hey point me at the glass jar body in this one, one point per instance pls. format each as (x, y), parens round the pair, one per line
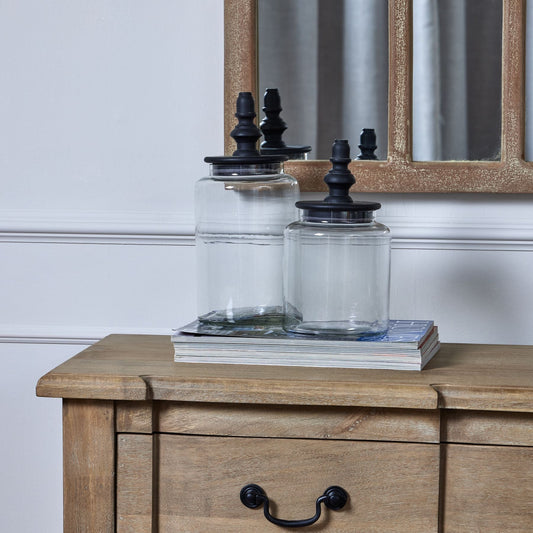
(240, 218)
(336, 278)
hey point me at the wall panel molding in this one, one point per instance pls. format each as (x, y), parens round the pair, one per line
(452, 233)
(171, 229)
(79, 335)
(73, 227)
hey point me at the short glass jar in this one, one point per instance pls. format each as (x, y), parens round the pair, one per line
(337, 275)
(337, 262)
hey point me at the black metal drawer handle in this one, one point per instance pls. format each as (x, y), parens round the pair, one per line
(253, 496)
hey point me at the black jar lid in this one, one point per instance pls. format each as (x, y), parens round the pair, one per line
(273, 127)
(339, 206)
(246, 134)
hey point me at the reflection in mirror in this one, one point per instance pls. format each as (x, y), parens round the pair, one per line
(329, 60)
(457, 60)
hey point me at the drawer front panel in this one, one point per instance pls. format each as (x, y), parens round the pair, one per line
(488, 427)
(392, 486)
(309, 422)
(488, 488)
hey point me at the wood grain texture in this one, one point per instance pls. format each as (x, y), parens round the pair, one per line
(487, 427)
(512, 177)
(399, 173)
(276, 391)
(88, 466)
(400, 82)
(240, 60)
(392, 487)
(488, 488)
(466, 376)
(401, 425)
(513, 81)
(135, 484)
(295, 431)
(134, 417)
(484, 398)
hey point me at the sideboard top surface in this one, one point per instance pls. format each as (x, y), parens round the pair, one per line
(142, 367)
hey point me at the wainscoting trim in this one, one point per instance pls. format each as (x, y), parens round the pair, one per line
(171, 229)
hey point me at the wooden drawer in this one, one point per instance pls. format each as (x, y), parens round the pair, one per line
(392, 486)
(152, 445)
(488, 488)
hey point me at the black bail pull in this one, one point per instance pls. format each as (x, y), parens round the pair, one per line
(253, 496)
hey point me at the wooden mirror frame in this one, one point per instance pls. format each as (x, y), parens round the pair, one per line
(399, 173)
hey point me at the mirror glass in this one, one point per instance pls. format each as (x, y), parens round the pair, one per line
(329, 60)
(457, 57)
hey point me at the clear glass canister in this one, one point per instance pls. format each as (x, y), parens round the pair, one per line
(241, 212)
(337, 262)
(337, 276)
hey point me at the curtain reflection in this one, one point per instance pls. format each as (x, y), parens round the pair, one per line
(329, 58)
(457, 79)
(331, 71)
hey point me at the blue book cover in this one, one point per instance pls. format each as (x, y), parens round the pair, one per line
(411, 331)
(406, 332)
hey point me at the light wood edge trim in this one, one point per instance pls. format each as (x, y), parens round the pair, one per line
(423, 177)
(240, 59)
(298, 393)
(484, 398)
(88, 466)
(53, 385)
(487, 427)
(294, 421)
(136, 488)
(134, 416)
(513, 81)
(400, 81)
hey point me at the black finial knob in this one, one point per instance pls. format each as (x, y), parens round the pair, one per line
(339, 179)
(368, 144)
(339, 206)
(272, 125)
(246, 133)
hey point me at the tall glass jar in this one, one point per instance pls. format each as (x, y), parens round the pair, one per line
(337, 262)
(241, 209)
(241, 212)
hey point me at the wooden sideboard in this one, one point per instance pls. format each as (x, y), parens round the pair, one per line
(154, 445)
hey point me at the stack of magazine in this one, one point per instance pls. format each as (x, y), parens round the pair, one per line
(407, 345)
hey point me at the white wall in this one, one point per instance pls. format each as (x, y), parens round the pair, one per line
(107, 109)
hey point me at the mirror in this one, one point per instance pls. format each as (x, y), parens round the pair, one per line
(329, 60)
(457, 56)
(503, 170)
(330, 66)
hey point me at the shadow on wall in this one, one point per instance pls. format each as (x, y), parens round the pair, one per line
(486, 298)
(473, 295)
